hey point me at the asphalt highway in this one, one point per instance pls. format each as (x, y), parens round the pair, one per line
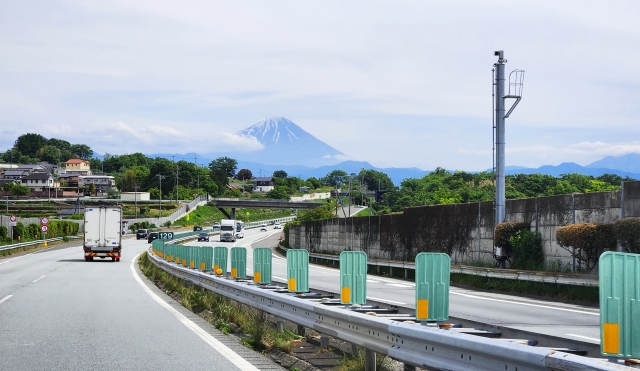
(58, 312)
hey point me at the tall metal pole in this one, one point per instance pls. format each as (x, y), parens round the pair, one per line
(135, 198)
(160, 177)
(500, 137)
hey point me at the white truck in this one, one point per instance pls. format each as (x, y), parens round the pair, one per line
(102, 233)
(228, 230)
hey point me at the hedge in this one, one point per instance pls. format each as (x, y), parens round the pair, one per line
(628, 234)
(587, 241)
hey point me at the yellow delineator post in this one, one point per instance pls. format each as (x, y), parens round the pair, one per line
(619, 304)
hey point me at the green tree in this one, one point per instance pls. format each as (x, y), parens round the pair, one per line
(28, 144)
(375, 180)
(313, 183)
(224, 165)
(19, 190)
(319, 213)
(82, 151)
(278, 193)
(59, 143)
(336, 178)
(92, 189)
(244, 174)
(154, 193)
(281, 174)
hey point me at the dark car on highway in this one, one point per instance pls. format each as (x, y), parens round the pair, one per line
(142, 233)
(203, 237)
(197, 228)
(152, 236)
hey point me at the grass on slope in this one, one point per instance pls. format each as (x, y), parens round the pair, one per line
(206, 215)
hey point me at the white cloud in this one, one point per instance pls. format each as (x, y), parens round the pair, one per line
(394, 84)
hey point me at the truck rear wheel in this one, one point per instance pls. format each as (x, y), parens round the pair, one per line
(117, 259)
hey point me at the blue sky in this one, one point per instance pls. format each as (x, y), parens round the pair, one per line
(398, 84)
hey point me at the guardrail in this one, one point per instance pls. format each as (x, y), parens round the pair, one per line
(36, 242)
(509, 274)
(413, 344)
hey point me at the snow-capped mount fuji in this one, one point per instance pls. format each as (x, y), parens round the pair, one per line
(286, 143)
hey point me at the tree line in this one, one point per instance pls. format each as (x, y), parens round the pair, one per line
(185, 179)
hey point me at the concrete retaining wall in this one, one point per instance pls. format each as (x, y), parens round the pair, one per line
(465, 231)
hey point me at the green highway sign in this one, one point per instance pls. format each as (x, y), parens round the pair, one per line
(166, 236)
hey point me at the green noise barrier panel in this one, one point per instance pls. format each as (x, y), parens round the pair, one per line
(262, 265)
(619, 304)
(432, 286)
(220, 254)
(353, 277)
(298, 270)
(238, 262)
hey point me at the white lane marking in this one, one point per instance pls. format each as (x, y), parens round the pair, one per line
(233, 357)
(386, 301)
(5, 298)
(280, 278)
(38, 279)
(372, 281)
(584, 337)
(527, 304)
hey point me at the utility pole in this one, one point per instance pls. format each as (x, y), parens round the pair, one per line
(195, 160)
(177, 184)
(135, 198)
(160, 177)
(516, 78)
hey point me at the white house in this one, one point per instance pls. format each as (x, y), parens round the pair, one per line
(38, 181)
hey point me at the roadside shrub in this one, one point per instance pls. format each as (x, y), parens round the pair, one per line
(167, 223)
(18, 230)
(504, 232)
(4, 232)
(627, 233)
(527, 250)
(586, 242)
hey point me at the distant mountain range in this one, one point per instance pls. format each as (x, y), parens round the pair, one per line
(290, 148)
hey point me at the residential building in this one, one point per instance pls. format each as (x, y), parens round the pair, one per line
(15, 174)
(264, 185)
(38, 181)
(78, 166)
(71, 180)
(102, 182)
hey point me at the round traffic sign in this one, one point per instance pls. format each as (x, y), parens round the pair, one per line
(44, 229)
(44, 220)
(13, 218)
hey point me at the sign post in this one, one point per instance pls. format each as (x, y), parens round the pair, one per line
(165, 236)
(13, 220)
(44, 221)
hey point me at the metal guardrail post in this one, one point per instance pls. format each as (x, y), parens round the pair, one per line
(369, 360)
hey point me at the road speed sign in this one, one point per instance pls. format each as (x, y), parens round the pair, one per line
(13, 218)
(44, 220)
(44, 229)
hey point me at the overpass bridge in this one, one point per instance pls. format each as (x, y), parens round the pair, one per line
(234, 203)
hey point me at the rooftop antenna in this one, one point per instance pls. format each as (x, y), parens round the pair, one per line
(516, 78)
